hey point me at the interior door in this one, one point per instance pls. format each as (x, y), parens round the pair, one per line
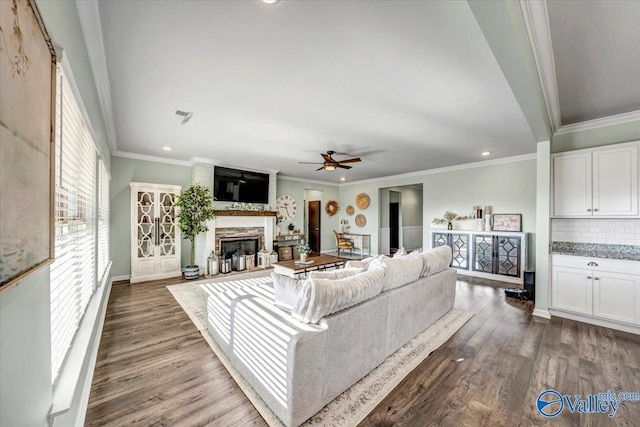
(394, 225)
(313, 207)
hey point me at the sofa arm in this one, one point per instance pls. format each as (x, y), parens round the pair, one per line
(282, 359)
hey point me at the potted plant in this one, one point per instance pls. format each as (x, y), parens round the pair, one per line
(195, 207)
(303, 250)
(291, 227)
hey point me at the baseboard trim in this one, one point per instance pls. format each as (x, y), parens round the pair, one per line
(120, 278)
(541, 313)
(598, 322)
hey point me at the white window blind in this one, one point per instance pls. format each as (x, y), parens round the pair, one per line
(103, 222)
(73, 274)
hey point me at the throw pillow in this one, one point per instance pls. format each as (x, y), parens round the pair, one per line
(286, 290)
(399, 271)
(321, 297)
(335, 274)
(435, 260)
(400, 253)
(363, 263)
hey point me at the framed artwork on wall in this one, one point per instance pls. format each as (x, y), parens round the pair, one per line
(507, 222)
(27, 122)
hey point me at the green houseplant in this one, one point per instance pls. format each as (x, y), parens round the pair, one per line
(304, 250)
(195, 207)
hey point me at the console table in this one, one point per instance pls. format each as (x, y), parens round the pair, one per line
(360, 241)
(497, 255)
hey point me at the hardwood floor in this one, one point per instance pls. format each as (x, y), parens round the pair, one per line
(154, 368)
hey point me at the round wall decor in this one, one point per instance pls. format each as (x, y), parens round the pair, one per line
(350, 210)
(361, 220)
(362, 200)
(331, 207)
(286, 207)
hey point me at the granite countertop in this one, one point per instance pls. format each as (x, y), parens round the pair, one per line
(597, 250)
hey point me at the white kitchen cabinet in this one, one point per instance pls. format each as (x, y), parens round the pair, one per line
(155, 234)
(572, 290)
(616, 296)
(599, 290)
(599, 182)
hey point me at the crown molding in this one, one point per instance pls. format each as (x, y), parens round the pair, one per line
(618, 119)
(148, 158)
(536, 18)
(207, 161)
(310, 181)
(504, 160)
(89, 15)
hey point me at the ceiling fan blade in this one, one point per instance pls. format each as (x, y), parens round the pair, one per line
(326, 157)
(320, 169)
(343, 166)
(355, 159)
(311, 163)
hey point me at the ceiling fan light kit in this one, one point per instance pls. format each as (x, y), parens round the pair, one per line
(330, 164)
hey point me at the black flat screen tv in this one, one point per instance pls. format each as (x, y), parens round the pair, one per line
(234, 185)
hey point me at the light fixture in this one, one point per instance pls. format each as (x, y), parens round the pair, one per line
(343, 178)
(166, 148)
(330, 168)
(485, 153)
(269, 1)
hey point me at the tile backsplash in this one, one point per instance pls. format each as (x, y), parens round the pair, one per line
(609, 231)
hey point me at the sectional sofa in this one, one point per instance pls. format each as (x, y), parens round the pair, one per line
(302, 343)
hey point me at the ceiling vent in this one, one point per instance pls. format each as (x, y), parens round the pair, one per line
(183, 116)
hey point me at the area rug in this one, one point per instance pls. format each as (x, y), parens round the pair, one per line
(352, 406)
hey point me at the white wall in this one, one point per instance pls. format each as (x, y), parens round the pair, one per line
(508, 187)
(123, 172)
(25, 353)
(297, 188)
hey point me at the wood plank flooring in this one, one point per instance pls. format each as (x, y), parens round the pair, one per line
(154, 368)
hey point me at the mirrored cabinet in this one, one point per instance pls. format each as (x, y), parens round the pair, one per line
(155, 234)
(490, 254)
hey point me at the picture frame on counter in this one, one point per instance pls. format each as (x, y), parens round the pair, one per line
(507, 222)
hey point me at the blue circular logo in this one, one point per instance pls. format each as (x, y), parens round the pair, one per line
(550, 403)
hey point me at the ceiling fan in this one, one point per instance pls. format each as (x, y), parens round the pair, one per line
(330, 164)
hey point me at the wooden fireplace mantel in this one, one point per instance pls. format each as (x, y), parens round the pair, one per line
(230, 212)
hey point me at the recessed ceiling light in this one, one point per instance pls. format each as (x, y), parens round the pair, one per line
(269, 1)
(486, 153)
(166, 148)
(343, 178)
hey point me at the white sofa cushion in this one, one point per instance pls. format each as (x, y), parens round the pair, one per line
(435, 260)
(340, 273)
(399, 271)
(363, 263)
(286, 290)
(321, 297)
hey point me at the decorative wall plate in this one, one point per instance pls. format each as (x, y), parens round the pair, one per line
(361, 220)
(362, 200)
(350, 210)
(331, 207)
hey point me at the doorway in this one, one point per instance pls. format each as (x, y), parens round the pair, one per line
(394, 226)
(313, 225)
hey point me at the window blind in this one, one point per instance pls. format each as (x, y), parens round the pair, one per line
(103, 222)
(73, 274)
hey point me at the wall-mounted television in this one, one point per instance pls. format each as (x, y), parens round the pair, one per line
(234, 185)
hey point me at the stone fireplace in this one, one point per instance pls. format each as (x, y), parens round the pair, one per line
(236, 226)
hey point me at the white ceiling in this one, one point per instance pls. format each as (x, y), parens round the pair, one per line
(405, 85)
(596, 46)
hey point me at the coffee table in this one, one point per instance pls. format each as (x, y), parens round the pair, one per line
(321, 262)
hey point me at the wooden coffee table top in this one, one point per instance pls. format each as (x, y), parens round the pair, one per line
(290, 268)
